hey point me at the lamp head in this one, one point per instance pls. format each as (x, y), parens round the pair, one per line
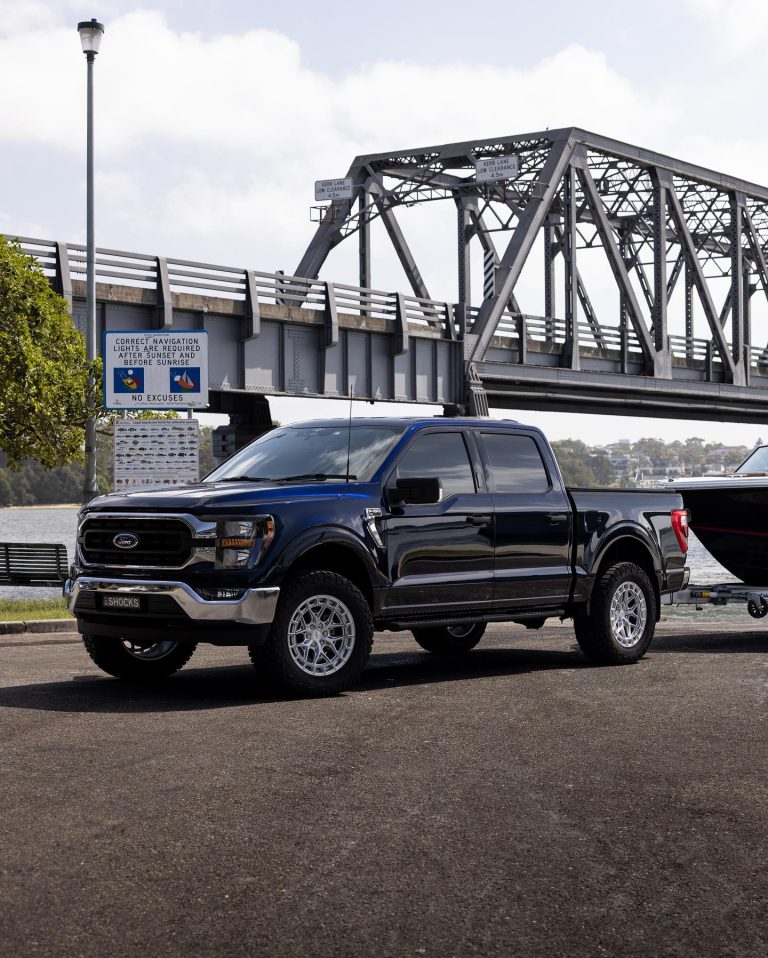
(90, 32)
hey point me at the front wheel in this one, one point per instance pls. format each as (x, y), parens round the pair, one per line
(137, 661)
(450, 639)
(321, 637)
(620, 626)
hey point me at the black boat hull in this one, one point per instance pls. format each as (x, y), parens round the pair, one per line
(732, 525)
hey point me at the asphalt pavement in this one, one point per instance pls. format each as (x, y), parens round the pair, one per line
(517, 803)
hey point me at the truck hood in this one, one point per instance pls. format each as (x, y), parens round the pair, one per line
(205, 497)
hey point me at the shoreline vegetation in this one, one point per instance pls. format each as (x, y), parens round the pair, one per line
(24, 610)
(32, 485)
(618, 465)
(46, 505)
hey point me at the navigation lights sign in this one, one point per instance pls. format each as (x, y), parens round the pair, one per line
(152, 370)
(341, 189)
(490, 168)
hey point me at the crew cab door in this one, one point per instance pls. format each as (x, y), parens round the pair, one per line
(439, 555)
(533, 521)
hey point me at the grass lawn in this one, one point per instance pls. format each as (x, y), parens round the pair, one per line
(24, 610)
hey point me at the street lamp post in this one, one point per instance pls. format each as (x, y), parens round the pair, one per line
(90, 37)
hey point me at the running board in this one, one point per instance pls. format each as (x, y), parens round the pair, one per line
(508, 615)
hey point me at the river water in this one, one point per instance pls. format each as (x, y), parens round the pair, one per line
(59, 524)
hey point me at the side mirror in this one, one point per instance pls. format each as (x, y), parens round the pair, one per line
(417, 490)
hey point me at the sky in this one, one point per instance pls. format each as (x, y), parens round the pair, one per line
(214, 120)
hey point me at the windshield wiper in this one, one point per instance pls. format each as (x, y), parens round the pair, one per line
(315, 475)
(246, 479)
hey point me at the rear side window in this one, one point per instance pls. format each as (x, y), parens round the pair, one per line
(441, 455)
(516, 463)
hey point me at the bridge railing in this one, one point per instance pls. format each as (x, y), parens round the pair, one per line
(553, 330)
(63, 261)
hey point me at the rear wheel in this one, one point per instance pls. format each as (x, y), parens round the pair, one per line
(622, 620)
(137, 661)
(321, 637)
(450, 639)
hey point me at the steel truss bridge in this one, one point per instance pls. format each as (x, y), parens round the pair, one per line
(651, 273)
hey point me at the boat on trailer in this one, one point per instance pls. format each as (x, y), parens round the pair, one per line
(729, 515)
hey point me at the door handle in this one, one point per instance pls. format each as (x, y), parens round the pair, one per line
(557, 518)
(478, 520)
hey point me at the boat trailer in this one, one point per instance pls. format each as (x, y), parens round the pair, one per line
(756, 597)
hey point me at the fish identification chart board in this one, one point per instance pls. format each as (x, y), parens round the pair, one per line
(156, 452)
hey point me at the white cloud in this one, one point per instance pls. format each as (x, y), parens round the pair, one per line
(738, 26)
(207, 146)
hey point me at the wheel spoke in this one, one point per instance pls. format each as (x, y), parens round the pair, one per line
(157, 650)
(628, 614)
(321, 635)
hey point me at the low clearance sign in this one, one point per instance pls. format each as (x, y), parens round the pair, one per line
(155, 370)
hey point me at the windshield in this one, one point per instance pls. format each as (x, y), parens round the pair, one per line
(311, 453)
(756, 462)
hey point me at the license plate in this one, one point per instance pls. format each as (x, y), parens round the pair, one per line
(125, 603)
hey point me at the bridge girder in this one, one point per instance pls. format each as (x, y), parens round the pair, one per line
(656, 218)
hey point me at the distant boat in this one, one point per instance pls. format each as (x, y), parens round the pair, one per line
(729, 515)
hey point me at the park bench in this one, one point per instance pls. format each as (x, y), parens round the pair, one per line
(33, 563)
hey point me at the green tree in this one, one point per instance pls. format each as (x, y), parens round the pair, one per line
(573, 457)
(44, 396)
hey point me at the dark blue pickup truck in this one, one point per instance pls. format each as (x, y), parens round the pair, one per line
(304, 542)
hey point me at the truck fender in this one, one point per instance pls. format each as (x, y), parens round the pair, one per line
(632, 534)
(327, 536)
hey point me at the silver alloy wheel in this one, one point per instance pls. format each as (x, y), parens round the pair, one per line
(321, 635)
(629, 614)
(145, 653)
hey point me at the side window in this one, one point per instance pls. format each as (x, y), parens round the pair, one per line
(442, 455)
(516, 463)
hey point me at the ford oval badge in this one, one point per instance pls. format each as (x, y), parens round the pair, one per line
(126, 540)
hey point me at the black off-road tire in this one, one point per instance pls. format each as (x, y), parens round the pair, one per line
(618, 634)
(338, 601)
(450, 640)
(115, 657)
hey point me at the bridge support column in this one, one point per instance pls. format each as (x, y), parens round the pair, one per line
(249, 415)
(476, 396)
(662, 360)
(464, 231)
(571, 357)
(738, 330)
(550, 249)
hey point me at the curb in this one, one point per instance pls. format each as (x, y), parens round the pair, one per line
(38, 625)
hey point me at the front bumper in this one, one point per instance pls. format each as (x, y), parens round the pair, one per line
(256, 607)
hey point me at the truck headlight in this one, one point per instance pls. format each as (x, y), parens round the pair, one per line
(240, 543)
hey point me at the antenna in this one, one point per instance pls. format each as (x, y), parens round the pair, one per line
(349, 433)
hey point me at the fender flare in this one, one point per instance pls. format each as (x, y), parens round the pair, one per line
(327, 536)
(637, 535)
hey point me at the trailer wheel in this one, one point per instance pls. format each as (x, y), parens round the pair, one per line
(620, 625)
(758, 609)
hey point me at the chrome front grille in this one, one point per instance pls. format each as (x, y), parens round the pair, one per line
(163, 542)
